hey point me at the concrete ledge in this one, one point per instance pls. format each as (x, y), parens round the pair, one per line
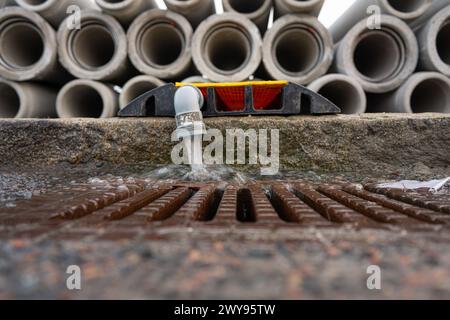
(366, 143)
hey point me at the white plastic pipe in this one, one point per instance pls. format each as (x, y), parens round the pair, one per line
(188, 102)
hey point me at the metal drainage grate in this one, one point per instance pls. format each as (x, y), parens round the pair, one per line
(127, 208)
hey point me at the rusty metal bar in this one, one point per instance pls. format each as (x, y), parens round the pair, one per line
(366, 207)
(291, 209)
(127, 207)
(405, 208)
(428, 201)
(164, 207)
(328, 208)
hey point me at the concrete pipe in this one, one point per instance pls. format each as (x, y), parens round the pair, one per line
(194, 10)
(408, 11)
(159, 44)
(297, 48)
(344, 91)
(28, 47)
(381, 59)
(26, 100)
(195, 79)
(136, 87)
(422, 92)
(86, 99)
(436, 6)
(55, 11)
(227, 47)
(97, 51)
(256, 10)
(7, 3)
(309, 7)
(434, 43)
(125, 10)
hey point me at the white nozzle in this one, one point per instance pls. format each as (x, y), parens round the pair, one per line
(188, 102)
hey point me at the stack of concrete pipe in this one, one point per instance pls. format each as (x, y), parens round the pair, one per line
(88, 58)
(401, 57)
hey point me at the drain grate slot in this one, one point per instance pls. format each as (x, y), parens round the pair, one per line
(245, 209)
(213, 207)
(265, 212)
(291, 209)
(200, 206)
(284, 204)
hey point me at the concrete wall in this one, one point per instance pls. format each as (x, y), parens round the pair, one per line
(376, 144)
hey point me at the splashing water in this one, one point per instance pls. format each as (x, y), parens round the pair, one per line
(208, 173)
(193, 146)
(199, 171)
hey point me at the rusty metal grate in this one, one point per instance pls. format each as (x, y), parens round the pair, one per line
(123, 210)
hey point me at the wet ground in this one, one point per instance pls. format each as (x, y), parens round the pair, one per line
(23, 183)
(322, 265)
(195, 261)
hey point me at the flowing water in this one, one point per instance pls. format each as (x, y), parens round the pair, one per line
(193, 146)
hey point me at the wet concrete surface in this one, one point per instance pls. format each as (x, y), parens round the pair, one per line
(18, 183)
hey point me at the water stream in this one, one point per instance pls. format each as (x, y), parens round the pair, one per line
(193, 146)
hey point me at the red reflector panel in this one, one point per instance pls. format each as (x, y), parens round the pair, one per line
(230, 98)
(267, 97)
(204, 92)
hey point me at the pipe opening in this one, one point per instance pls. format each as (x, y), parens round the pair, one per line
(21, 44)
(344, 95)
(407, 6)
(137, 89)
(81, 101)
(93, 46)
(443, 42)
(245, 210)
(297, 51)
(378, 56)
(161, 44)
(227, 50)
(247, 6)
(423, 101)
(9, 101)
